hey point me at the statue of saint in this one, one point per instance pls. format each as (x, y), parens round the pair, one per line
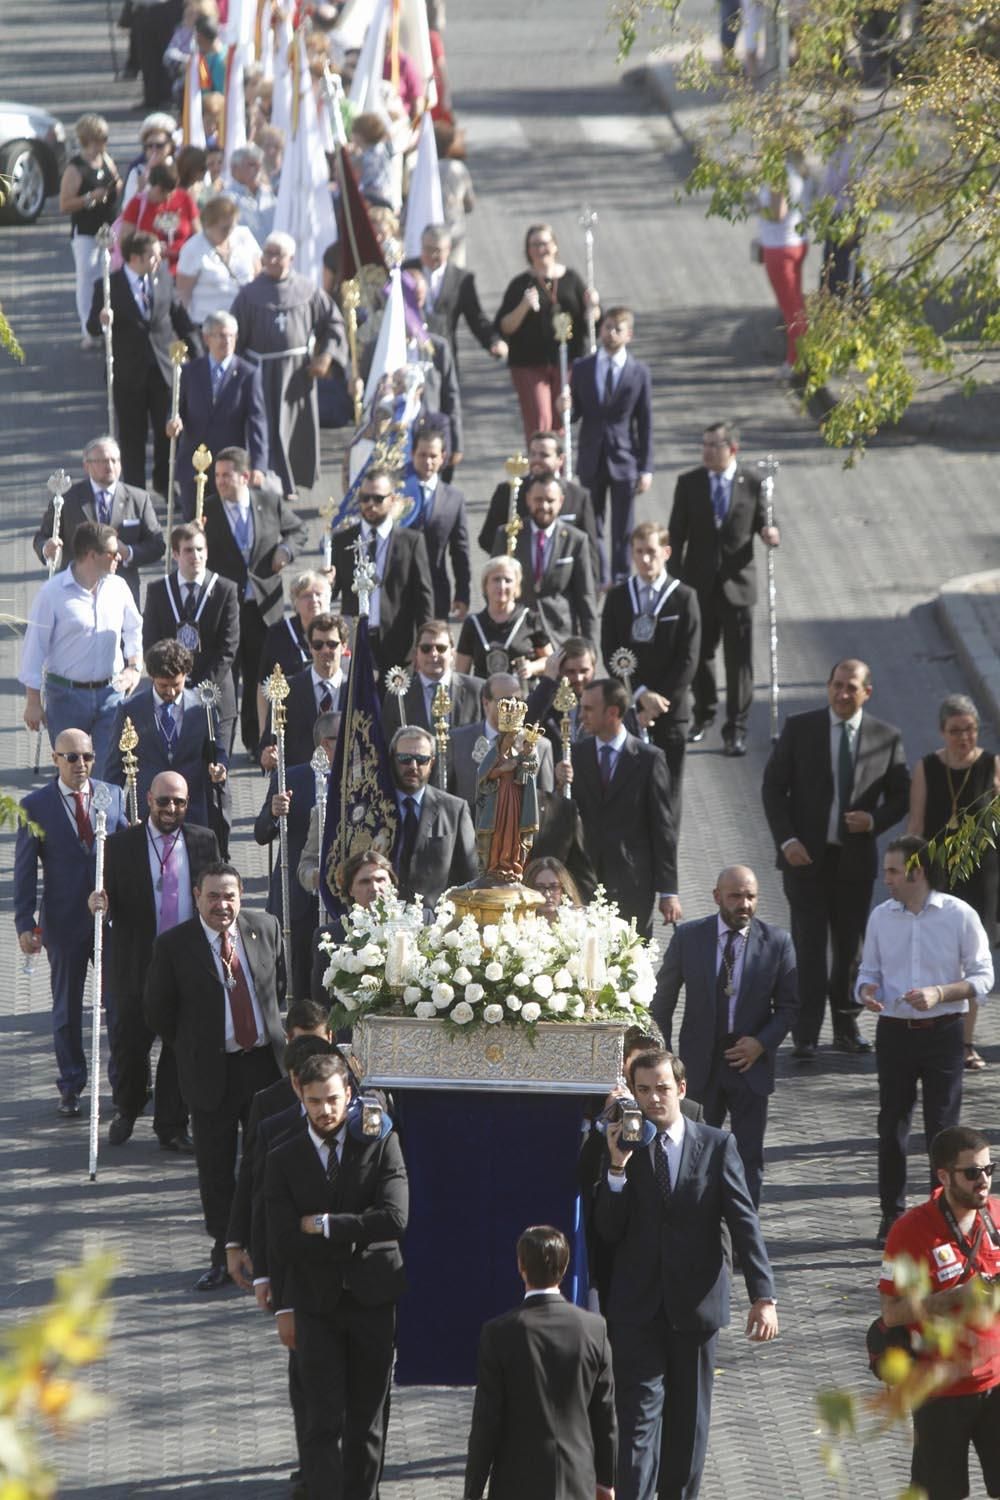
(507, 798)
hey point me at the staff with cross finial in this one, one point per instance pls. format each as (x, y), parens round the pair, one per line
(105, 240)
(562, 323)
(276, 691)
(515, 468)
(201, 461)
(178, 358)
(564, 703)
(100, 804)
(127, 743)
(587, 220)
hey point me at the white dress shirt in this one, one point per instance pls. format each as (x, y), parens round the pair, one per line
(323, 1149)
(943, 943)
(79, 633)
(214, 942)
(605, 362)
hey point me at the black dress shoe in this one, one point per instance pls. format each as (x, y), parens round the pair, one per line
(804, 1052)
(213, 1280)
(736, 744)
(179, 1141)
(849, 1039)
(120, 1129)
(69, 1106)
(697, 731)
(885, 1224)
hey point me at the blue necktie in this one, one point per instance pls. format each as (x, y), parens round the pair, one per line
(217, 373)
(167, 726)
(242, 532)
(718, 499)
(104, 507)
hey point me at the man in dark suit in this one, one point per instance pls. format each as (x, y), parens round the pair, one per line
(622, 790)
(251, 535)
(662, 1207)
(435, 841)
(171, 724)
(214, 991)
(546, 455)
(337, 1210)
(612, 400)
(718, 509)
(451, 295)
(60, 921)
(543, 1424)
(149, 874)
(836, 779)
(200, 609)
(444, 526)
(577, 662)
(221, 405)
(557, 578)
(434, 660)
(741, 1000)
(403, 597)
(656, 618)
(146, 316)
(102, 497)
(469, 744)
(319, 689)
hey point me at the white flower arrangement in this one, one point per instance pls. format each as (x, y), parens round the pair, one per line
(588, 965)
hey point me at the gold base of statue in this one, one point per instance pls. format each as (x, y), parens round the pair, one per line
(488, 903)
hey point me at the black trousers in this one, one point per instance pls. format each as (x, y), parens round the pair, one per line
(671, 737)
(933, 1056)
(728, 1093)
(733, 625)
(247, 667)
(663, 1396)
(131, 1042)
(943, 1431)
(142, 402)
(152, 28)
(613, 539)
(345, 1366)
(216, 1135)
(826, 911)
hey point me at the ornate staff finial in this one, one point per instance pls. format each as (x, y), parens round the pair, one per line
(623, 663)
(515, 468)
(58, 484)
(364, 582)
(127, 743)
(562, 325)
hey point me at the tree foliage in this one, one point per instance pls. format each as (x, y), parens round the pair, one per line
(922, 84)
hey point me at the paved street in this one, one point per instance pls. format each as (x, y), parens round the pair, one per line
(196, 1389)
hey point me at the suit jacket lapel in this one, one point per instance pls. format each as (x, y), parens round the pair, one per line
(691, 1148)
(751, 959)
(711, 950)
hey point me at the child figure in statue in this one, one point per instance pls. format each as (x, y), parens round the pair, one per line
(506, 797)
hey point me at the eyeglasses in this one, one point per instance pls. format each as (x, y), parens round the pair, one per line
(372, 495)
(442, 648)
(325, 645)
(72, 756)
(413, 760)
(973, 1174)
(157, 145)
(171, 801)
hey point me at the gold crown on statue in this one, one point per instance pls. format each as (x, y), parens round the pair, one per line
(511, 714)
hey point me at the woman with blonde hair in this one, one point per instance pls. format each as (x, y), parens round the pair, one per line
(216, 262)
(505, 636)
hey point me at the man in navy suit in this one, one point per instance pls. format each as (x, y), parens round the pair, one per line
(221, 405)
(170, 721)
(612, 400)
(662, 1207)
(62, 923)
(443, 523)
(319, 689)
(741, 999)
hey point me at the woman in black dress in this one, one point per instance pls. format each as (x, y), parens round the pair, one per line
(958, 779)
(505, 636)
(525, 320)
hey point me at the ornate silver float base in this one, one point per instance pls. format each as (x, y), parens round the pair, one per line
(563, 1057)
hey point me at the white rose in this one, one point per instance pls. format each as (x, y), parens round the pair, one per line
(442, 995)
(492, 1014)
(369, 982)
(624, 999)
(462, 976)
(493, 971)
(474, 993)
(574, 965)
(513, 1003)
(557, 1003)
(330, 975)
(453, 940)
(490, 936)
(576, 1009)
(425, 1011)
(462, 1014)
(531, 1011)
(370, 954)
(542, 985)
(347, 1001)
(521, 980)
(440, 966)
(614, 974)
(412, 994)
(563, 980)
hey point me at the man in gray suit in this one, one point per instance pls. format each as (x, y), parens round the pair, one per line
(434, 663)
(741, 997)
(470, 743)
(435, 843)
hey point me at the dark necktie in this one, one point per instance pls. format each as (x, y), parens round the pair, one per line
(609, 383)
(373, 548)
(661, 1169)
(332, 1165)
(103, 508)
(84, 827)
(718, 499)
(607, 766)
(240, 1004)
(845, 770)
(217, 374)
(190, 595)
(325, 700)
(168, 728)
(143, 289)
(723, 981)
(539, 555)
(409, 839)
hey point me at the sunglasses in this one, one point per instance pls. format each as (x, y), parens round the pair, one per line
(74, 755)
(171, 801)
(157, 145)
(414, 760)
(325, 645)
(428, 647)
(973, 1174)
(371, 495)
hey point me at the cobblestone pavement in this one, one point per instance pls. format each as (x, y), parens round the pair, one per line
(195, 1388)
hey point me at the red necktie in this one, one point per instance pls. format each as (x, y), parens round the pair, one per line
(244, 1025)
(539, 555)
(84, 827)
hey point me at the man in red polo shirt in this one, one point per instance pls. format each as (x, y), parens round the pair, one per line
(954, 1235)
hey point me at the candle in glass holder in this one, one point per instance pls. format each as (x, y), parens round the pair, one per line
(593, 962)
(396, 958)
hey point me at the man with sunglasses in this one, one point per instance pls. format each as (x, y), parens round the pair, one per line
(318, 689)
(434, 661)
(435, 844)
(63, 843)
(926, 955)
(149, 872)
(953, 1237)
